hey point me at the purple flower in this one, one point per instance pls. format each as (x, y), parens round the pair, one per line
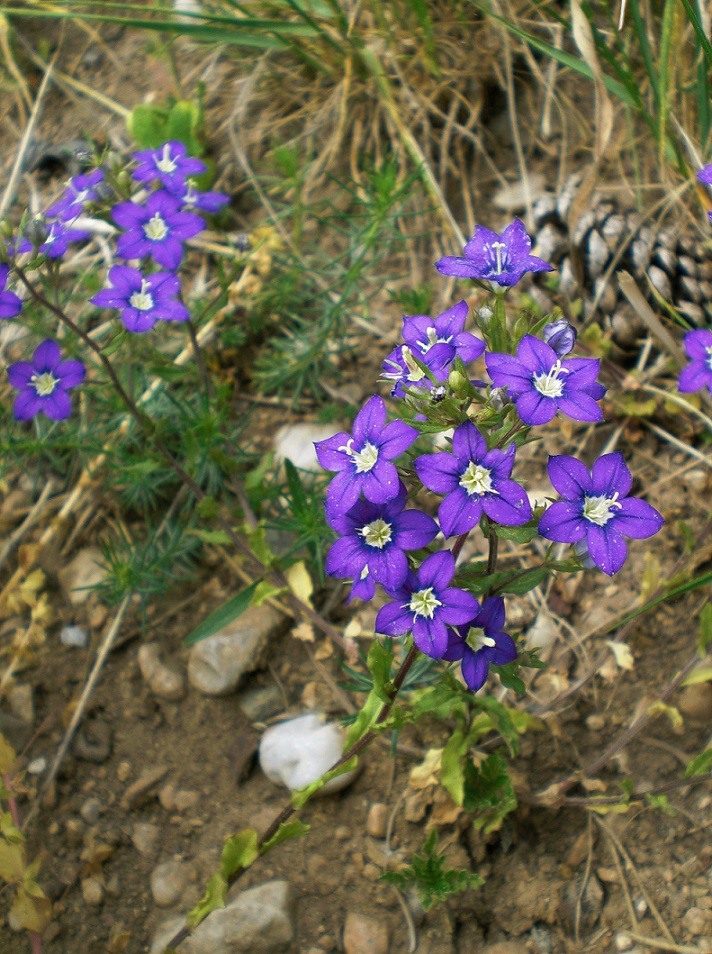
(561, 336)
(374, 539)
(363, 459)
(10, 304)
(705, 175)
(400, 368)
(426, 605)
(475, 480)
(158, 229)
(480, 643)
(79, 192)
(43, 383)
(192, 198)
(596, 506)
(502, 259)
(168, 163)
(421, 333)
(55, 242)
(142, 299)
(698, 374)
(542, 384)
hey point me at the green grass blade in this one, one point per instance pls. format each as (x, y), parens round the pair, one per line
(222, 617)
(699, 30)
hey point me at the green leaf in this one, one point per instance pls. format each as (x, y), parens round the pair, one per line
(523, 534)
(266, 591)
(147, 126)
(452, 766)
(239, 851)
(184, 124)
(489, 794)
(365, 719)
(661, 802)
(501, 720)
(379, 664)
(218, 537)
(214, 898)
(12, 862)
(289, 829)
(30, 909)
(259, 546)
(705, 629)
(442, 701)
(300, 504)
(302, 795)
(223, 617)
(700, 765)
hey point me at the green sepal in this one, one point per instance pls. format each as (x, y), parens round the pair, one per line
(289, 829)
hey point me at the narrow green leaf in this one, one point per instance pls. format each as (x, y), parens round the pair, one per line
(379, 665)
(290, 829)
(700, 765)
(302, 795)
(300, 504)
(266, 591)
(452, 766)
(705, 629)
(223, 617)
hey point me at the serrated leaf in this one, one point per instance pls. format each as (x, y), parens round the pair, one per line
(489, 794)
(501, 720)
(214, 898)
(700, 765)
(30, 911)
(239, 851)
(290, 829)
(452, 766)
(441, 702)
(379, 664)
(222, 617)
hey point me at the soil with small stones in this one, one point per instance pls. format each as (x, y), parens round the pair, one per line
(558, 878)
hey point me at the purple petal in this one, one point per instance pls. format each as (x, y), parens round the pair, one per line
(168, 253)
(570, 477)
(171, 311)
(328, 453)
(505, 651)
(637, 519)
(415, 530)
(580, 406)
(460, 267)
(389, 567)
(535, 409)
(459, 606)
(438, 472)
(132, 245)
(138, 321)
(452, 321)
(342, 493)
(459, 513)
(27, 405)
(607, 548)
(695, 377)
(57, 405)
(395, 439)
(437, 570)
(185, 225)
(475, 668)
(536, 355)
(370, 420)
(70, 373)
(363, 589)
(20, 373)
(10, 305)
(47, 356)
(430, 636)
(507, 372)
(380, 484)
(697, 343)
(610, 475)
(510, 506)
(468, 444)
(129, 215)
(563, 523)
(345, 558)
(394, 619)
(468, 346)
(491, 616)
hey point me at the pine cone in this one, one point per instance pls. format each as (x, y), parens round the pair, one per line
(678, 267)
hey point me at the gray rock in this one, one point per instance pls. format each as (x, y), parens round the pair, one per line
(17, 732)
(513, 196)
(218, 663)
(296, 443)
(75, 636)
(261, 702)
(167, 882)
(258, 921)
(364, 935)
(145, 838)
(91, 810)
(92, 892)
(83, 572)
(163, 681)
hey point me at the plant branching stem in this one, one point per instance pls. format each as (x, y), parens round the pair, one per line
(149, 428)
(350, 753)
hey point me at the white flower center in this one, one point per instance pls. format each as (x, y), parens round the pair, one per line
(432, 340)
(190, 197)
(550, 385)
(414, 372)
(365, 459)
(423, 603)
(377, 533)
(709, 357)
(477, 480)
(155, 229)
(598, 509)
(166, 163)
(142, 300)
(477, 640)
(44, 383)
(498, 246)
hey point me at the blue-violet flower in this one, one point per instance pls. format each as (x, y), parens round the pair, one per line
(403, 372)
(481, 642)
(157, 229)
(426, 605)
(374, 539)
(561, 336)
(698, 373)
(10, 303)
(79, 192)
(363, 459)
(421, 333)
(475, 480)
(596, 506)
(541, 383)
(142, 299)
(192, 198)
(169, 164)
(43, 383)
(501, 259)
(56, 241)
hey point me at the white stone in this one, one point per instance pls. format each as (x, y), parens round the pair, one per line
(295, 442)
(167, 882)
(163, 681)
(513, 196)
(84, 572)
(542, 634)
(37, 766)
(74, 636)
(297, 752)
(218, 663)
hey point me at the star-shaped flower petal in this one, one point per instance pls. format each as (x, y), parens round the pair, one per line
(169, 164)
(10, 303)
(373, 543)
(502, 259)
(43, 383)
(421, 333)
(363, 459)
(698, 374)
(541, 383)
(80, 191)
(404, 373)
(596, 506)
(481, 642)
(426, 605)
(157, 229)
(142, 299)
(474, 481)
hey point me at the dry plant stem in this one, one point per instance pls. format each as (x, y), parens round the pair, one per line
(575, 800)
(351, 753)
(199, 359)
(147, 426)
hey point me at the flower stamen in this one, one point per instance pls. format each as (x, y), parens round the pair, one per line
(424, 603)
(365, 459)
(498, 246)
(598, 510)
(476, 639)
(377, 533)
(550, 385)
(477, 480)
(166, 163)
(44, 384)
(142, 300)
(155, 229)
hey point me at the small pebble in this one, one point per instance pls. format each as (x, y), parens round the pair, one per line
(595, 723)
(184, 800)
(163, 681)
(74, 636)
(37, 766)
(167, 882)
(21, 704)
(92, 892)
(377, 820)
(142, 789)
(364, 935)
(90, 811)
(145, 838)
(298, 751)
(623, 942)
(75, 831)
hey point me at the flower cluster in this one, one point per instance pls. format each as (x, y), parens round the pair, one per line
(382, 541)
(154, 225)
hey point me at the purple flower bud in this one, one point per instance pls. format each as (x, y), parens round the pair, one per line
(561, 336)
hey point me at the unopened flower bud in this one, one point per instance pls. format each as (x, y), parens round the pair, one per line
(496, 401)
(484, 316)
(457, 380)
(36, 231)
(561, 336)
